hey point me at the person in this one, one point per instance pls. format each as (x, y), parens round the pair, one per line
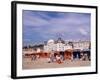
(49, 60)
(81, 56)
(52, 56)
(33, 57)
(38, 56)
(62, 55)
(58, 59)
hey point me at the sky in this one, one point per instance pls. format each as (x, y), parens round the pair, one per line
(40, 26)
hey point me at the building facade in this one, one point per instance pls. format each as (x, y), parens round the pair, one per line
(61, 45)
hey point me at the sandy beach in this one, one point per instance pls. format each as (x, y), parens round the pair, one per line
(42, 63)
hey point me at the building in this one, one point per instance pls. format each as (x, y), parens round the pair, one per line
(81, 45)
(61, 45)
(57, 45)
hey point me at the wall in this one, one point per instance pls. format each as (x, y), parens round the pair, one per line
(5, 37)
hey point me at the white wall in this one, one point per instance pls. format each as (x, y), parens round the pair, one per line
(5, 37)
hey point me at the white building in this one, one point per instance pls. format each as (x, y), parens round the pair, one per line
(61, 45)
(81, 45)
(58, 45)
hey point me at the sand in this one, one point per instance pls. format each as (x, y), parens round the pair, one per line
(43, 63)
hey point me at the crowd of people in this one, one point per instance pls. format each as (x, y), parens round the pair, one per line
(59, 57)
(56, 57)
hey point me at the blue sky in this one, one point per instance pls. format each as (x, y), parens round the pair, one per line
(40, 26)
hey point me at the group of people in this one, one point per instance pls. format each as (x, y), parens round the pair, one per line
(55, 57)
(34, 57)
(59, 57)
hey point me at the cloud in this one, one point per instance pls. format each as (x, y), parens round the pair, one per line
(46, 25)
(83, 31)
(34, 21)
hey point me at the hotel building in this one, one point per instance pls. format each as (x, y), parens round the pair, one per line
(61, 45)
